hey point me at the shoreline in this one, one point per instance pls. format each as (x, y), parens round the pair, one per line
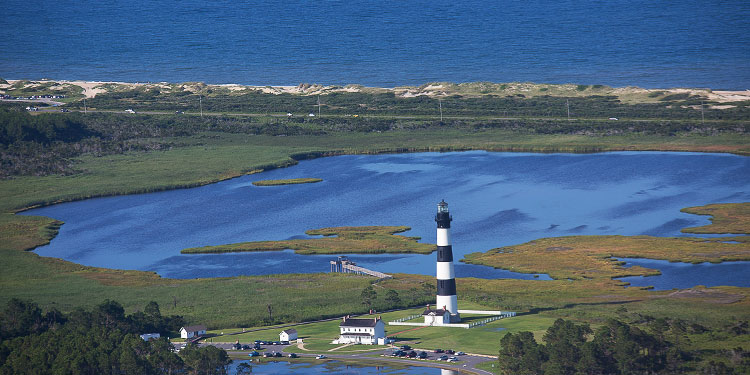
(90, 89)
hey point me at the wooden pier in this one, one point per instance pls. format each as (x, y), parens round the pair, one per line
(343, 264)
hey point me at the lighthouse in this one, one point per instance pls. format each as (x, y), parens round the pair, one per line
(446, 279)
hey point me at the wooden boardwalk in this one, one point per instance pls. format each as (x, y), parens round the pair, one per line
(342, 264)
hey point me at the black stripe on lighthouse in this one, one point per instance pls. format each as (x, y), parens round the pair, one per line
(446, 287)
(445, 253)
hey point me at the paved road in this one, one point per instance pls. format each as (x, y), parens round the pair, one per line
(466, 362)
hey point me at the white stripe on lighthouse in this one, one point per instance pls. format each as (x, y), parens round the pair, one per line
(450, 303)
(445, 271)
(443, 237)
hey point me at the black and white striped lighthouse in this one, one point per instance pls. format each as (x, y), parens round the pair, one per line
(446, 279)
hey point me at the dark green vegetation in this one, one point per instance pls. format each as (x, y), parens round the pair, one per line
(102, 340)
(365, 240)
(291, 181)
(613, 348)
(671, 107)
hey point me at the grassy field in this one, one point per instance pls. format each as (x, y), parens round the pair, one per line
(291, 181)
(338, 240)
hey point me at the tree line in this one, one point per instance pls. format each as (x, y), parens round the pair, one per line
(613, 348)
(102, 340)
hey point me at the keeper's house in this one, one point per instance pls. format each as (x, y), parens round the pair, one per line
(192, 331)
(362, 331)
(436, 317)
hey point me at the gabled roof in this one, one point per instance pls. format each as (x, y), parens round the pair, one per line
(289, 331)
(194, 328)
(436, 312)
(352, 322)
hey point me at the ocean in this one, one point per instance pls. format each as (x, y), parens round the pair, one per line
(671, 43)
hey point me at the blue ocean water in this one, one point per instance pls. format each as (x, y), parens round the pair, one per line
(666, 43)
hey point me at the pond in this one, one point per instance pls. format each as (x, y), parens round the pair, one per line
(336, 367)
(678, 274)
(496, 199)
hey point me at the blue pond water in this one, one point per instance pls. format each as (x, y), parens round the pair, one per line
(335, 367)
(678, 275)
(496, 199)
(382, 43)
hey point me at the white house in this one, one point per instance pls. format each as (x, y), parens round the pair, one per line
(436, 317)
(149, 336)
(192, 331)
(361, 331)
(288, 335)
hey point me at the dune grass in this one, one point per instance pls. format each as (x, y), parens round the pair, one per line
(291, 181)
(358, 240)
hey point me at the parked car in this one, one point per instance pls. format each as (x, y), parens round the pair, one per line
(285, 343)
(277, 354)
(449, 351)
(438, 350)
(237, 346)
(396, 353)
(256, 346)
(245, 347)
(405, 347)
(253, 354)
(257, 342)
(320, 356)
(267, 354)
(442, 358)
(422, 355)
(460, 353)
(293, 355)
(412, 354)
(452, 359)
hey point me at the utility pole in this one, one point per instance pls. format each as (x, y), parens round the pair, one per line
(84, 105)
(567, 104)
(703, 117)
(440, 101)
(200, 102)
(318, 105)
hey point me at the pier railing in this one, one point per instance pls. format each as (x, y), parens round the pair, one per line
(346, 266)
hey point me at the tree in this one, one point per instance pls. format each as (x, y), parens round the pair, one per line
(20, 318)
(564, 340)
(392, 298)
(520, 354)
(244, 368)
(208, 360)
(368, 296)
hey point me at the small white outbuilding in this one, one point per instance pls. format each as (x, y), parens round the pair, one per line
(192, 331)
(288, 335)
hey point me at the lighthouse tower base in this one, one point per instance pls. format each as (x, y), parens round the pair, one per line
(449, 303)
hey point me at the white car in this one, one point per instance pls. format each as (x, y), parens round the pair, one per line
(320, 356)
